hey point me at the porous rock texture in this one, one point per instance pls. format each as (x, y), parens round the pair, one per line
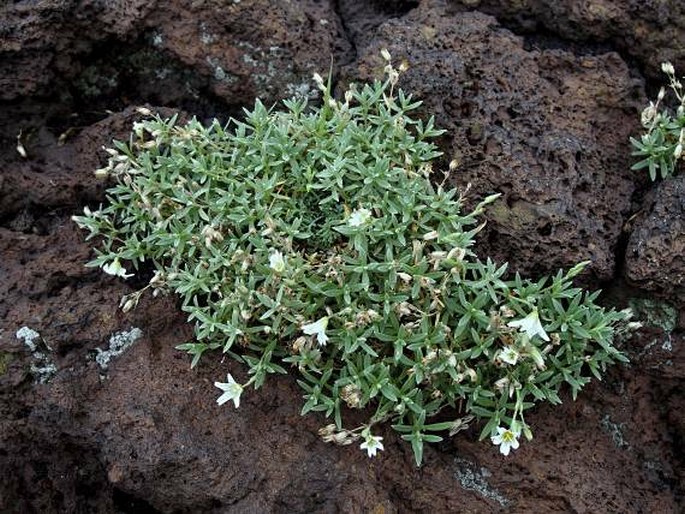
(146, 435)
(548, 129)
(655, 257)
(650, 32)
(263, 48)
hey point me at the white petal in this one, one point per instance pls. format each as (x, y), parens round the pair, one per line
(317, 327)
(224, 398)
(222, 386)
(277, 262)
(322, 338)
(359, 217)
(516, 323)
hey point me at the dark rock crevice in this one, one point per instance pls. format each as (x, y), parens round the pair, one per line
(362, 19)
(644, 32)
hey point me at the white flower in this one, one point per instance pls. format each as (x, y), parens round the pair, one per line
(667, 68)
(385, 54)
(530, 325)
(115, 268)
(509, 355)
(372, 444)
(506, 439)
(317, 328)
(231, 389)
(359, 217)
(277, 262)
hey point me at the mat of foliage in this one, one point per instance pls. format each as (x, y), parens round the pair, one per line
(316, 239)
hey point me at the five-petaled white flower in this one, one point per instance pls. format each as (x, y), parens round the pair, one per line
(530, 325)
(509, 355)
(277, 262)
(231, 389)
(317, 328)
(372, 444)
(507, 439)
(359, 217)
(115, 268)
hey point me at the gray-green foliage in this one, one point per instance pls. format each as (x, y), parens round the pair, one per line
(661, 147)
(327, 217)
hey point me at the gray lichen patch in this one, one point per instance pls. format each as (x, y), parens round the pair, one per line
(615, 430)
(42, 368)
(655, 313)
(301, 90)
(219, 72)
(118, 344)
(473, 478)
(30, 337)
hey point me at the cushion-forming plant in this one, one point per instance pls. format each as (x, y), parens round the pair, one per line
(316, 239)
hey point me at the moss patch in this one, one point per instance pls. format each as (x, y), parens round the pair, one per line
(655, 313)
(5, 359)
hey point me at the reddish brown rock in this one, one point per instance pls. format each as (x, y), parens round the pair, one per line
(650, 32)
(56, 177)
(243, 50)
(262, 49)
(41, 41)
(655, 257)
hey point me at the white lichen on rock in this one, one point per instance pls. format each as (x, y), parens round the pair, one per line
(29, 336)
(118, 344)
(42, 368)
(473, 478)
(615, 430)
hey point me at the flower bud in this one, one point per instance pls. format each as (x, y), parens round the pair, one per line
(527, 433)
(667, 68)
(648, 115)
(129, 304)
(20, 148)
(634, 325)
(327, 430)
(456, 254)
(405, 277)
(319, 81)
